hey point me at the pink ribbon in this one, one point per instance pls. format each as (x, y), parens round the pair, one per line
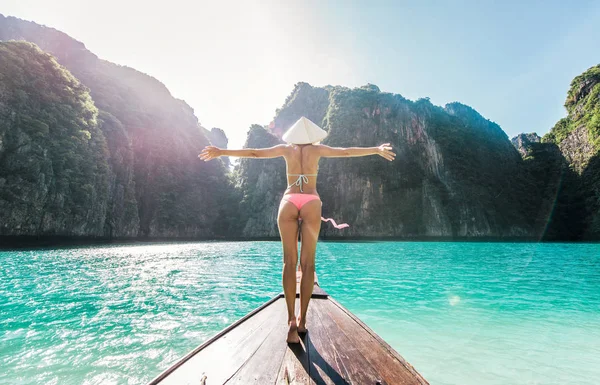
(340, 226)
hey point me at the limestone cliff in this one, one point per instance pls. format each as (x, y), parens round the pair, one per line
(158, 186)
(523, 142)
(260, 182)
(549, 185)
(455, 174)
(122, 213)
(88, 147)
(53, 156)
(218, 138)
(578, 138)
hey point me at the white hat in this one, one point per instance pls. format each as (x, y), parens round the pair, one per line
(303, 132)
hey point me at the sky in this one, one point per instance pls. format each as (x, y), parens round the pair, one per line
(235, 62)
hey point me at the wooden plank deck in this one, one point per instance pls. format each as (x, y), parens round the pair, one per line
(338, 349)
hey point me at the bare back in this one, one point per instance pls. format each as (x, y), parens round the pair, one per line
(302, 160)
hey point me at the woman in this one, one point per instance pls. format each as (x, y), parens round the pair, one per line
(300, 201)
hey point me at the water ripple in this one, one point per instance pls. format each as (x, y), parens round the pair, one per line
(461, 313)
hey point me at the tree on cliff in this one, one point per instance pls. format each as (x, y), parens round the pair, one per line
(53, 156)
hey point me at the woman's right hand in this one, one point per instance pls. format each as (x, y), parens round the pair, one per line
(385, 151)
(209, 153)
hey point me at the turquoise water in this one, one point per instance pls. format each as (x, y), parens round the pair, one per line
(461, 313)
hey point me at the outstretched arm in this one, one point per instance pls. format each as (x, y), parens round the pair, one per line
(384, 150)
(212, 152)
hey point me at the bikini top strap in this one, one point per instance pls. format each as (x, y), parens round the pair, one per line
(302, 178)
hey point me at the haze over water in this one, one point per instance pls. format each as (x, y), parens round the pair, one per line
(460, 313)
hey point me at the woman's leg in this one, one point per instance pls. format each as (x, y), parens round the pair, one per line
(287, 220)
(311, 224)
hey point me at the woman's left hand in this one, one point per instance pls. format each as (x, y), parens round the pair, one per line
(385, 151)
(209, 153)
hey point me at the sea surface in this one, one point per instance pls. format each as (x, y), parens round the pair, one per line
(460, 313)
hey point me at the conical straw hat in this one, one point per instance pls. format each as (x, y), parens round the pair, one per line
(303, 132)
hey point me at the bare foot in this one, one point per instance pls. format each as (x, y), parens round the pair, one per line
(301, 325)
(293, 337)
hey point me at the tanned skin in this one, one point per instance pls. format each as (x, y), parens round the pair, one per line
(299, 159)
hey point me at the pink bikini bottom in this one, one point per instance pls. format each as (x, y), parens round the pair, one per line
(300, 200)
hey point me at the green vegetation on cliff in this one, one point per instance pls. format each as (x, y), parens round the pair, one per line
(455, 174)
(157, 185)
(53, 156)
(549, 185)
(260, 184)
(88, 147)
(566, 166)
(578, 136)
(583, 107)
